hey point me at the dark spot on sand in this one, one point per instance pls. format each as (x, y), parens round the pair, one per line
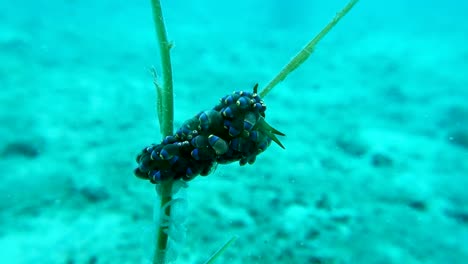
(21, 148)
(351, 145)
(417, 205)
(93, 260)
(459, 138)
(330, 163)
(94, 194)
(458, 215)
(16, 45)
(323, 203)
(394, 93)
(380, 160)
(312, 234)
(320, 260)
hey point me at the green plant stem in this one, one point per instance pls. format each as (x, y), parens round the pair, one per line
(304, 54)
(221, 250)
(167, 100)
(160, 249)
(165, 111)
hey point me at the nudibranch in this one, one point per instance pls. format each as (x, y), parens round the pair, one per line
(234, 130)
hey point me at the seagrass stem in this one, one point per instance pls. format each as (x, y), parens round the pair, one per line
(165, 111)
(304, 54)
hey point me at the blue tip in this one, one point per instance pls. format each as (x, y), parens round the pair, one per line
(258, 106)
(189, 172)
(243, 102)
(253, 135)
(262, 146)
(164, 154)
(248, 126)
(204, 121)
(169, 140)
(155, 155)
(173, 160)
(224, 98)
(155, 176)
(233, 131)
(229, 100)
(212, 139)
(228, 112)
(195, 154)
(148, 149)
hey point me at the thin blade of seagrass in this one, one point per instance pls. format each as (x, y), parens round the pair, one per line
(166, 91)
(159, 104)
(221, 250)
(304, 54)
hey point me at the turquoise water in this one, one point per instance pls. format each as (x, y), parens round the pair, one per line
(375, 167)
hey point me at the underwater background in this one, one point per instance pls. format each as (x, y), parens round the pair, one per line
(375, 168)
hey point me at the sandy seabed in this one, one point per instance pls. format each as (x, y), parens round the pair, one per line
(375, 168)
